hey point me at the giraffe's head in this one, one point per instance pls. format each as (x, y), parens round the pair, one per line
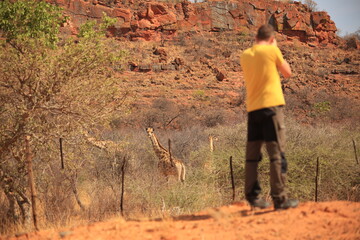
(149, 130)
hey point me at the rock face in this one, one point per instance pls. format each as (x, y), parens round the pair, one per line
(155, 20)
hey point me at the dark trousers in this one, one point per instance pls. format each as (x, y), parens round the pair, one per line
(266, 126)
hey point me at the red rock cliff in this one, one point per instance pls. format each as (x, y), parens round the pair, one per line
(154, 20)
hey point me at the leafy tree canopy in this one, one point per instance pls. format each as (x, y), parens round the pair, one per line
(28, 20)
(93, 29)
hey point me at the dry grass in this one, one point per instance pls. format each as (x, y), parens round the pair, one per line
(207, 184)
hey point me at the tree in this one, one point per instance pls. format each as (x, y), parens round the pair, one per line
(311, 4)
(30, 20)
(355, 35)
(49, 89)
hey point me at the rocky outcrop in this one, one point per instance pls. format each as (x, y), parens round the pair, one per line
(155, 20)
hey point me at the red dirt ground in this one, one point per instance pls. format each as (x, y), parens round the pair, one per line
(325, 220)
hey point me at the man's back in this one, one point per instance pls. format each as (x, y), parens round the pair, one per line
(259, 64)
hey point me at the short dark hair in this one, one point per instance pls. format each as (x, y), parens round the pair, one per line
(265, 32)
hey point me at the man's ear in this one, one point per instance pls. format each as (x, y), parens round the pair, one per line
(271, 39)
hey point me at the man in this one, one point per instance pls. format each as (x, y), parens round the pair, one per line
(265, 101)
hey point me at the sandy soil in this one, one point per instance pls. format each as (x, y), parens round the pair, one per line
(325, 220)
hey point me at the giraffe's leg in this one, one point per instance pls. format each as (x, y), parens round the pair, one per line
(179, 171)
(183, 171)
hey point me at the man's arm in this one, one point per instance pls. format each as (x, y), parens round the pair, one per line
(285, 69)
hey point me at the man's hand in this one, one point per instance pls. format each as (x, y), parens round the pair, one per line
(285, 69)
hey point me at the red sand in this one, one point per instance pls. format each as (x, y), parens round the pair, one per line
(325, 220)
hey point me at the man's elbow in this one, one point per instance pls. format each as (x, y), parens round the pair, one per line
(287, 74)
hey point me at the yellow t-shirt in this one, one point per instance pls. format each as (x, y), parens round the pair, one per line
(262, 80)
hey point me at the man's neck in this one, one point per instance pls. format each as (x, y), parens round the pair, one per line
(262, 43)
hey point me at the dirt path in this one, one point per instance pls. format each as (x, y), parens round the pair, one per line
(326, 220)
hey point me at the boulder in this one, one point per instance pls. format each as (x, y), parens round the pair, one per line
(220, 75)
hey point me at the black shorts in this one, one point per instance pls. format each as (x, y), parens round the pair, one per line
(267, 125)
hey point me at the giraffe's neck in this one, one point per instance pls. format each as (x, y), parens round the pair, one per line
(160, 151)
(93, 141)
(96, 143)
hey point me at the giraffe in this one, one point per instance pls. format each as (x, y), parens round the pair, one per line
(113, 149)
(209, 163)
(167, 165)
(211, 142)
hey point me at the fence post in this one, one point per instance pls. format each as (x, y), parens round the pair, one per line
(317, 179)
(31, 180)
(122, 187)
(170, 156)
(61, 153)
(232, 179)
(356, 157)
